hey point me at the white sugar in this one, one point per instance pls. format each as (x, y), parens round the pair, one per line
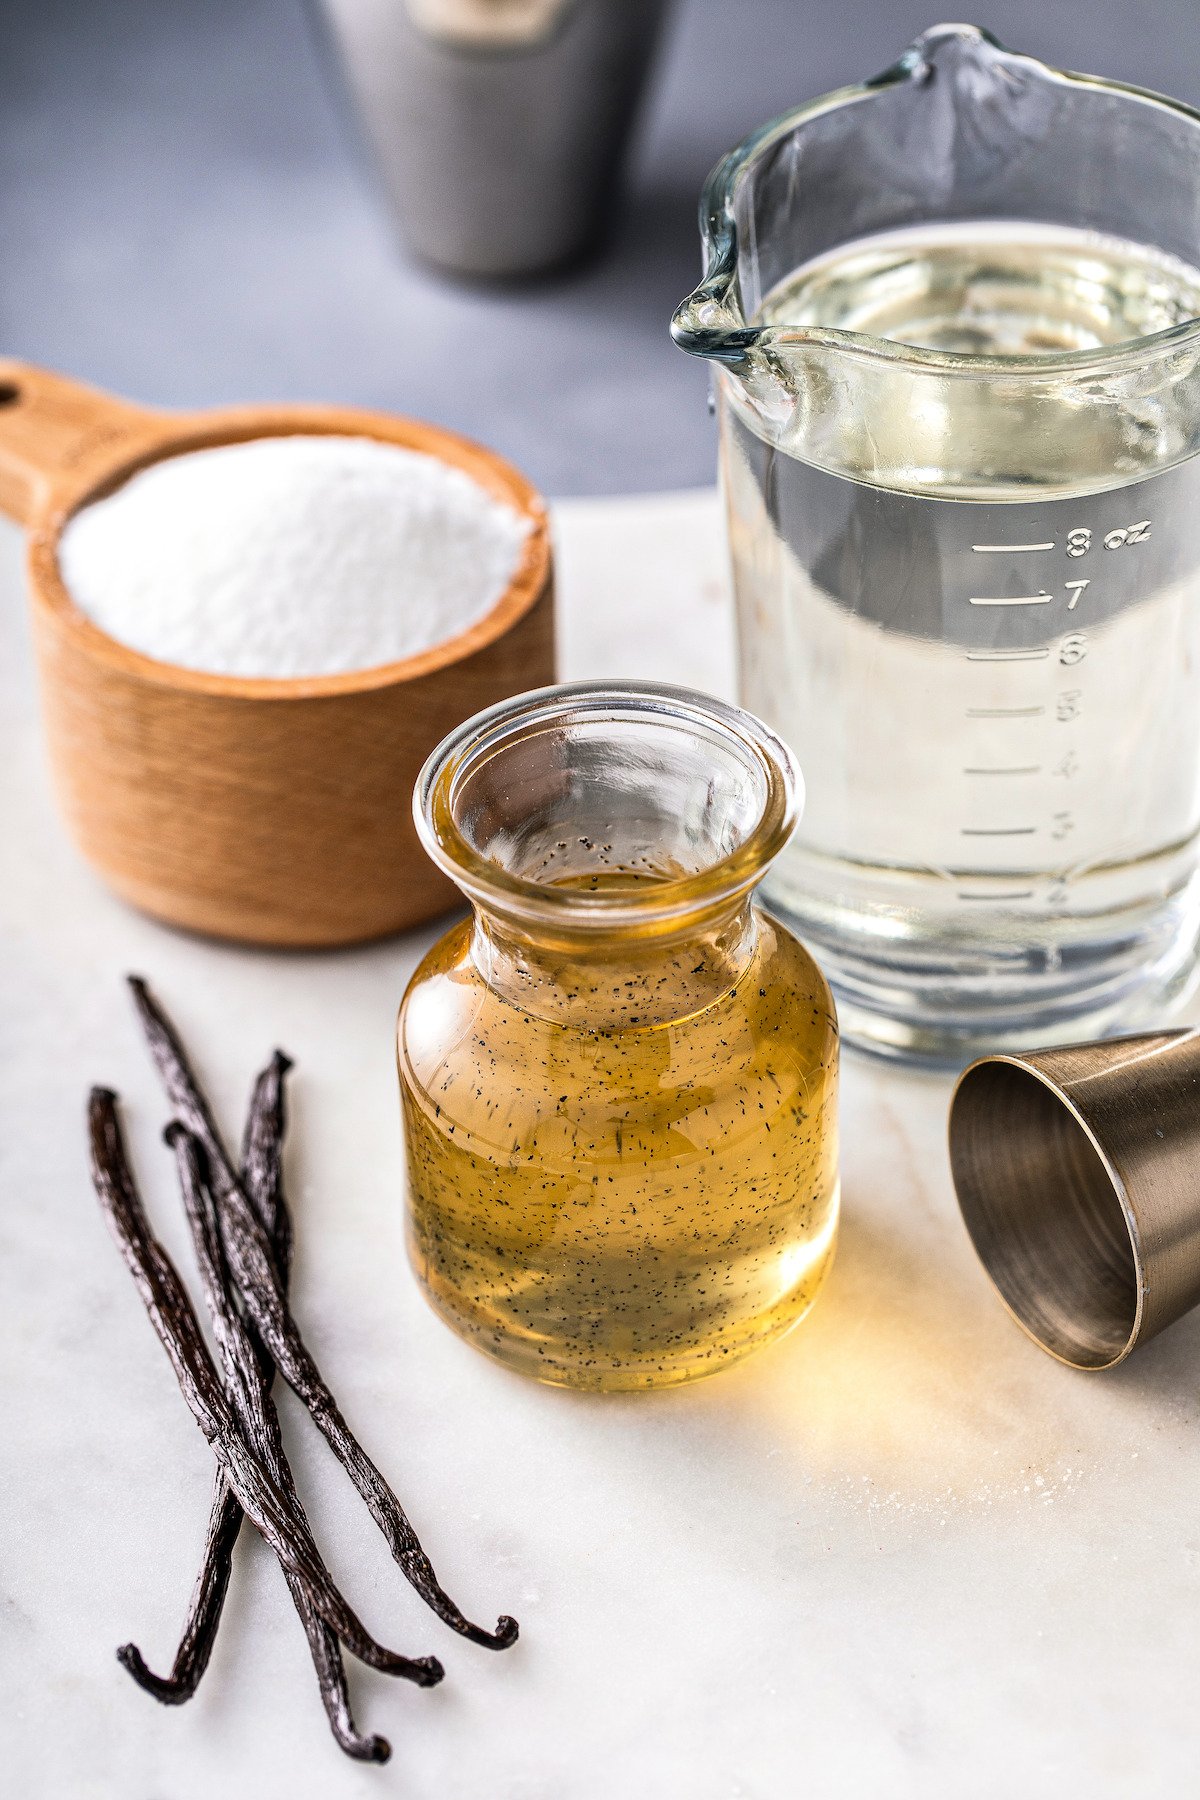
(292, 556)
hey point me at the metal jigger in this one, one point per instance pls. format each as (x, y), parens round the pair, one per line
(1078, 1175)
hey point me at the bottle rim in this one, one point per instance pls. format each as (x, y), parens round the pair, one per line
(667, 899)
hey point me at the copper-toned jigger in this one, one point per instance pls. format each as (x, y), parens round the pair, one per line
(1078, 1175)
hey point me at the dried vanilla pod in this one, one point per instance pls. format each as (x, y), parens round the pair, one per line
(204, 1612)
(248, 1249)
(262, 1161)
(170, 1311)
(248, 1376)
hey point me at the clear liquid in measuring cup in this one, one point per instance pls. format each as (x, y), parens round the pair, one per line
(995, 289)
(988, 661)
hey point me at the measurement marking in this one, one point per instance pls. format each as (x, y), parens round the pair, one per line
(998, 830)
(1017, 894)
(1008, 655)
(1005, 712)
(1028, 769)
(1009, 549)
(1041, 598)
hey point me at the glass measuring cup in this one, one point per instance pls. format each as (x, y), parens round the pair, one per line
(619, 1079)
(953, 319)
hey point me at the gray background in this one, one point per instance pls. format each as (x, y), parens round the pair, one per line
(187, 215)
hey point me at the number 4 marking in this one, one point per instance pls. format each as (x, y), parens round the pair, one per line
(1075, 588)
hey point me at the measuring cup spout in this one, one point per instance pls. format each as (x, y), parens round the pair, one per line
(782, 196)
(773, 379)
(958, 128)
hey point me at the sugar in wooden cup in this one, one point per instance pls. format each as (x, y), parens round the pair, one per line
(269, 811)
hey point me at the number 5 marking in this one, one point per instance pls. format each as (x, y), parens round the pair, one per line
(1075, 588)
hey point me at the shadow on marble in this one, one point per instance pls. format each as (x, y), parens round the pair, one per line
(1167, 1369)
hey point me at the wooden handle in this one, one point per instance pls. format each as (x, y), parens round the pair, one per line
(55, 433)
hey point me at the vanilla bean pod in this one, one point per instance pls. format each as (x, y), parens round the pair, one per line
(262, 1171)
(170, 1311)
(248, 1382)
(262, 1159)
(248, 1249)
(204, 1611)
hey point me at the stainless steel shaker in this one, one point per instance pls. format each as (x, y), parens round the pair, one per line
(500, 126)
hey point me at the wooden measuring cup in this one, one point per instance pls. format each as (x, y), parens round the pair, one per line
(269, 811)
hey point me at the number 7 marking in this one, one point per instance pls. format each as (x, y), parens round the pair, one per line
(1078, 587)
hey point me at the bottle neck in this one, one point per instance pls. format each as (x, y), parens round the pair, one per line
(622, 980)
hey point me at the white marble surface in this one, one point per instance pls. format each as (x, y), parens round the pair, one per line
(901, 1555)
